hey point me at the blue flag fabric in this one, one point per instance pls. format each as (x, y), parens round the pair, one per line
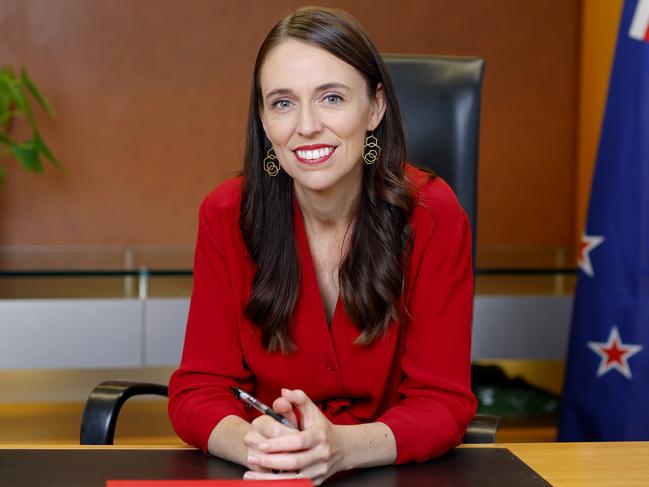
(606, 393)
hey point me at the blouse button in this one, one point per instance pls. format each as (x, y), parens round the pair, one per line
(330, 367)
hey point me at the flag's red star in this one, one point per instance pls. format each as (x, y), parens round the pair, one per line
(614, 354)
(588, 243)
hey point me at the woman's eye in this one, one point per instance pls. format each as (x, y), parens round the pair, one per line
(333, 99)
(281, 104)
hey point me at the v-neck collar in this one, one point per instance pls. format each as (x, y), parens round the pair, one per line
(310, 281)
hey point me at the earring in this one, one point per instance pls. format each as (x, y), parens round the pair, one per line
(371, 150)
(270, 166)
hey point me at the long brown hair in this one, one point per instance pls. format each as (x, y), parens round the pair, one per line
(372, 272)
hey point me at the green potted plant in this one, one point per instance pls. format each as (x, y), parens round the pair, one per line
(15, 95)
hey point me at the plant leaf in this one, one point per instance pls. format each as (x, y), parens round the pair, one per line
(21, 101)
(40, 146)
(7, 71)
(5, 105)
(3, 173)
(27, 155)
(17, 95)
(35, 92)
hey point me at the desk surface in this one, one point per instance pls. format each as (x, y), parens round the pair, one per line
(561, 464)
(592, 464)
(91, 467)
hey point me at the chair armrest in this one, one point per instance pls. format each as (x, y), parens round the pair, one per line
(106, 400)
(103, 405)
(482, 429)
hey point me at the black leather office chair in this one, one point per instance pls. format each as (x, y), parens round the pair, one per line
(439, 98)
(440, 104)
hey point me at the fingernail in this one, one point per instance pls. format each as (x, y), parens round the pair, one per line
(253, 460)
(247, 475)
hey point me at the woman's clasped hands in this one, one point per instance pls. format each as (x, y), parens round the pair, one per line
(314, 451)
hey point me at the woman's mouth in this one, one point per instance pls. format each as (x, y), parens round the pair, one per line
(314, 154)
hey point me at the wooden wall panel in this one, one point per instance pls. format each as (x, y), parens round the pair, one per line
(152, 98)
(600, 24)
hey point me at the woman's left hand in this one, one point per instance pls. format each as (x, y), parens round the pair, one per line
(316, 452)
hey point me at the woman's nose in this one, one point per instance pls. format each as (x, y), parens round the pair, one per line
(308, 122)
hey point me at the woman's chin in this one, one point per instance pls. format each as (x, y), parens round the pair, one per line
(326, 180)
(314, 183)
(313, 186)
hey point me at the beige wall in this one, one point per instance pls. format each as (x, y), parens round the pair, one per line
(152, 96)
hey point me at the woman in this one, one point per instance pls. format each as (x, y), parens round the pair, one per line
(332, 280)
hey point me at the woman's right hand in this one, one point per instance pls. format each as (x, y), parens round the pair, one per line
(263, 428)
(316, 452)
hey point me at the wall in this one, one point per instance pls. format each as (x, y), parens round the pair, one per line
(152, 97)
(600, 23)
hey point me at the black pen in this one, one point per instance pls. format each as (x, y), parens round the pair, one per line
(252, 401)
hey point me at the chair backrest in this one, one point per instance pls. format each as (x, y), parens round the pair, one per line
(439, 97)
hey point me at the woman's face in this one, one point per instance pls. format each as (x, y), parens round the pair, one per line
(316, 112)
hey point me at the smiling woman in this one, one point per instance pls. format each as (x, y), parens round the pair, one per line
(336, 286)
(317, 122)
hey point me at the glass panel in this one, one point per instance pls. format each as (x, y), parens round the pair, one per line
(67, 272)
(99, 257)
(526, 282)
(175, 286)
(525, 257)
(67, 287)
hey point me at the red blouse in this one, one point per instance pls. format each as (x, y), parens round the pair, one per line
(416, 379)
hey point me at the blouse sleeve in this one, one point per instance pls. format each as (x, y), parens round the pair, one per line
(212, 360)
(436, 402)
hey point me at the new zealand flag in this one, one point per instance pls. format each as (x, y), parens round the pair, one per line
(606, 394)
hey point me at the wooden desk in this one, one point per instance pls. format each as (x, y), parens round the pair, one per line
(91, 467)
(587, 464)
(561, 464)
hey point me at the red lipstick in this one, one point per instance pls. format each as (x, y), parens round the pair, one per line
(314, 147)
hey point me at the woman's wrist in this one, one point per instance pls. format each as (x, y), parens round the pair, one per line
(366, 445)
(226, 439)
(342, 433)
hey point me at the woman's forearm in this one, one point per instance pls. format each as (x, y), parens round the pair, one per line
(368, 445)
(226, 439)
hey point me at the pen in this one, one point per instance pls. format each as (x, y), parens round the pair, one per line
(252, 401)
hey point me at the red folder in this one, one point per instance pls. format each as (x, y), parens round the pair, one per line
(209, 483)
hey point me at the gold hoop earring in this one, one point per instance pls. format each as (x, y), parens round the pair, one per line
(371, 150)
(270, 166)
